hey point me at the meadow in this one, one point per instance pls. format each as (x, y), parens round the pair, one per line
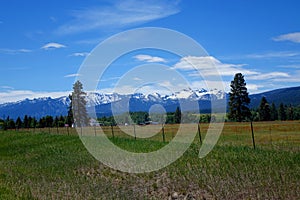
(52, 163)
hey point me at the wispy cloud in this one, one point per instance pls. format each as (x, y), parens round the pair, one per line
(5, 87)
(17, 95)
(137, 79)
(292, 37)
(280, 54)
(117, 15)
(148, 58)
(90, 41)
(72, 75)
(207, 65)
(109, 79)
(294, 66)
(80, 54)
(15, 51)
(292, 78)
(271, 75)
(52, 45)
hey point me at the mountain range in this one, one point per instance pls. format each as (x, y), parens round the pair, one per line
(103, 103)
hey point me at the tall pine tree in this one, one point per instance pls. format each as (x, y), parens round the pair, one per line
(78, 105)
(238, 99)
(274, 112)
(177, 116)
(281, 112)
(264, 110)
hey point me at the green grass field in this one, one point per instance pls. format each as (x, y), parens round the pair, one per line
(39, 165)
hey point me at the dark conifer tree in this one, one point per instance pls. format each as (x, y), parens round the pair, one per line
(282, 112)
(18, 123)
(25, 121)
(177, 116)
(274, 112)
(238, 99)
(264, 110)
(78, 105)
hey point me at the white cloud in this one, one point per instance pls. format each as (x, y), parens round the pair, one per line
(210, 66)
(137, 79)
(5, 87)
(72, 75)
(271, 75)
(292, 37)
(294, 66)
(148, 58)
(80, 54)
(109, 79)
(293, 78)
(17, 95)
(15, 51)
(117, 15)
(53, 45)
(280, 54)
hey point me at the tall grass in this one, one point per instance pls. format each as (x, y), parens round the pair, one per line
(51, 166)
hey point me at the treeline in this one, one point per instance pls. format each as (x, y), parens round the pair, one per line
(267, 112)
(32, 122)
(143, 118)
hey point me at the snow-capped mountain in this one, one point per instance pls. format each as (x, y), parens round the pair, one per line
(103, 102)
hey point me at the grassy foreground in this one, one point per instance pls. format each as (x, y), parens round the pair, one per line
(45, 166)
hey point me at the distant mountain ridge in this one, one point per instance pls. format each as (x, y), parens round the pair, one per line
(284, 95)
(139, 102)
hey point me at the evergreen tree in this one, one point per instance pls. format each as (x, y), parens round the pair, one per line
(30, 122)
(18, 123)
(281, 112)
(290, 113)
(238, 99)
(25, 121)
(42, 122)
(11, 124)
(69, 118)
(55, 123)
(177, 116)
(274, 112)
(78, 105)
(48, 121)
(264, 110)
(61, 122)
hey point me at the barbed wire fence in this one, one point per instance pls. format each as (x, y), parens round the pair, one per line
(277, 135)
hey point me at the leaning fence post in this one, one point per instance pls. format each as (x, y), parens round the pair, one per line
(95, 130)
(199, 133)
(253, 141)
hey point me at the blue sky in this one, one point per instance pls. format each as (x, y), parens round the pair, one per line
(43, 44)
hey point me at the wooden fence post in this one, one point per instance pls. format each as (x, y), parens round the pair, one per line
(253, 141)
(163, 133)
(134, 132)
(112, 131)
(199, 133)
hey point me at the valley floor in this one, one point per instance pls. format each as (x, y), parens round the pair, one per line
(39, 165)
